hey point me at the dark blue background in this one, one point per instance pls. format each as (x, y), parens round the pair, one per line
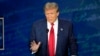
(20, 14)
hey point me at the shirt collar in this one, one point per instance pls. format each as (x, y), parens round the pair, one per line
(56, 22)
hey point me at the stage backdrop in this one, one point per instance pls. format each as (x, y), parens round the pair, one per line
(20, 14)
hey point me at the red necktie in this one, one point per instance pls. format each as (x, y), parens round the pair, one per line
(51, 42)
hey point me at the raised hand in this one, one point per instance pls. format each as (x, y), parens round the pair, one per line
(35, 46)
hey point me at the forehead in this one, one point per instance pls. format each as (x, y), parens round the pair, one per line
(51, 10)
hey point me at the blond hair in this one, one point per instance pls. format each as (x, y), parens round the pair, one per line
(51, 5)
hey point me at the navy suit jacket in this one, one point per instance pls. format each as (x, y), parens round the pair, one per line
(65, 38)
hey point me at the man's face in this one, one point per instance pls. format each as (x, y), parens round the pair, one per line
(51, 14)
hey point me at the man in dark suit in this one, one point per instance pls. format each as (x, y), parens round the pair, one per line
(52, 36)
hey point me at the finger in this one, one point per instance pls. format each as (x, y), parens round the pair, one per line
(39, 43)
(33, 43)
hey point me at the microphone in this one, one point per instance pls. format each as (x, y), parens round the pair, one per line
(47, 30)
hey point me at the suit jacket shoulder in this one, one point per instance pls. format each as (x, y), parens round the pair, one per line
(65, 23)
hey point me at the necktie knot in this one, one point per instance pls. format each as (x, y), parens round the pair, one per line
(52, 24)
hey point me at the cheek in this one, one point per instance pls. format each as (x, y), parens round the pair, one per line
(55, 15)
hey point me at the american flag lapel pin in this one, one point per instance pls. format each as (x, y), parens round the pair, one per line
(61, 29)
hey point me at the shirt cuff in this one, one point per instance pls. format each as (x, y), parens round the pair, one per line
(33, 52)
(73, 55)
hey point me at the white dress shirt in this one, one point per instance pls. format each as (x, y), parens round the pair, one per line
(55, 26)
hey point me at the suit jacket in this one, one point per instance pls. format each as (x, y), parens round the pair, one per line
(65, 38)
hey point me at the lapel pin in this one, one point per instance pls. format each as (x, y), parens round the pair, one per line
(61, 29)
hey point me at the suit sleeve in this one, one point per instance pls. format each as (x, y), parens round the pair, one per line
(33, 34)
(72, 42)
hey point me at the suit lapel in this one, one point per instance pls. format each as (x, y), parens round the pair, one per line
(44, 27)
(45, 37)
(60, 30)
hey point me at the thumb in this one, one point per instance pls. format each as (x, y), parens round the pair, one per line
(39, 43)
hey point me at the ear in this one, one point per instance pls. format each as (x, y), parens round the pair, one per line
(57, 13)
